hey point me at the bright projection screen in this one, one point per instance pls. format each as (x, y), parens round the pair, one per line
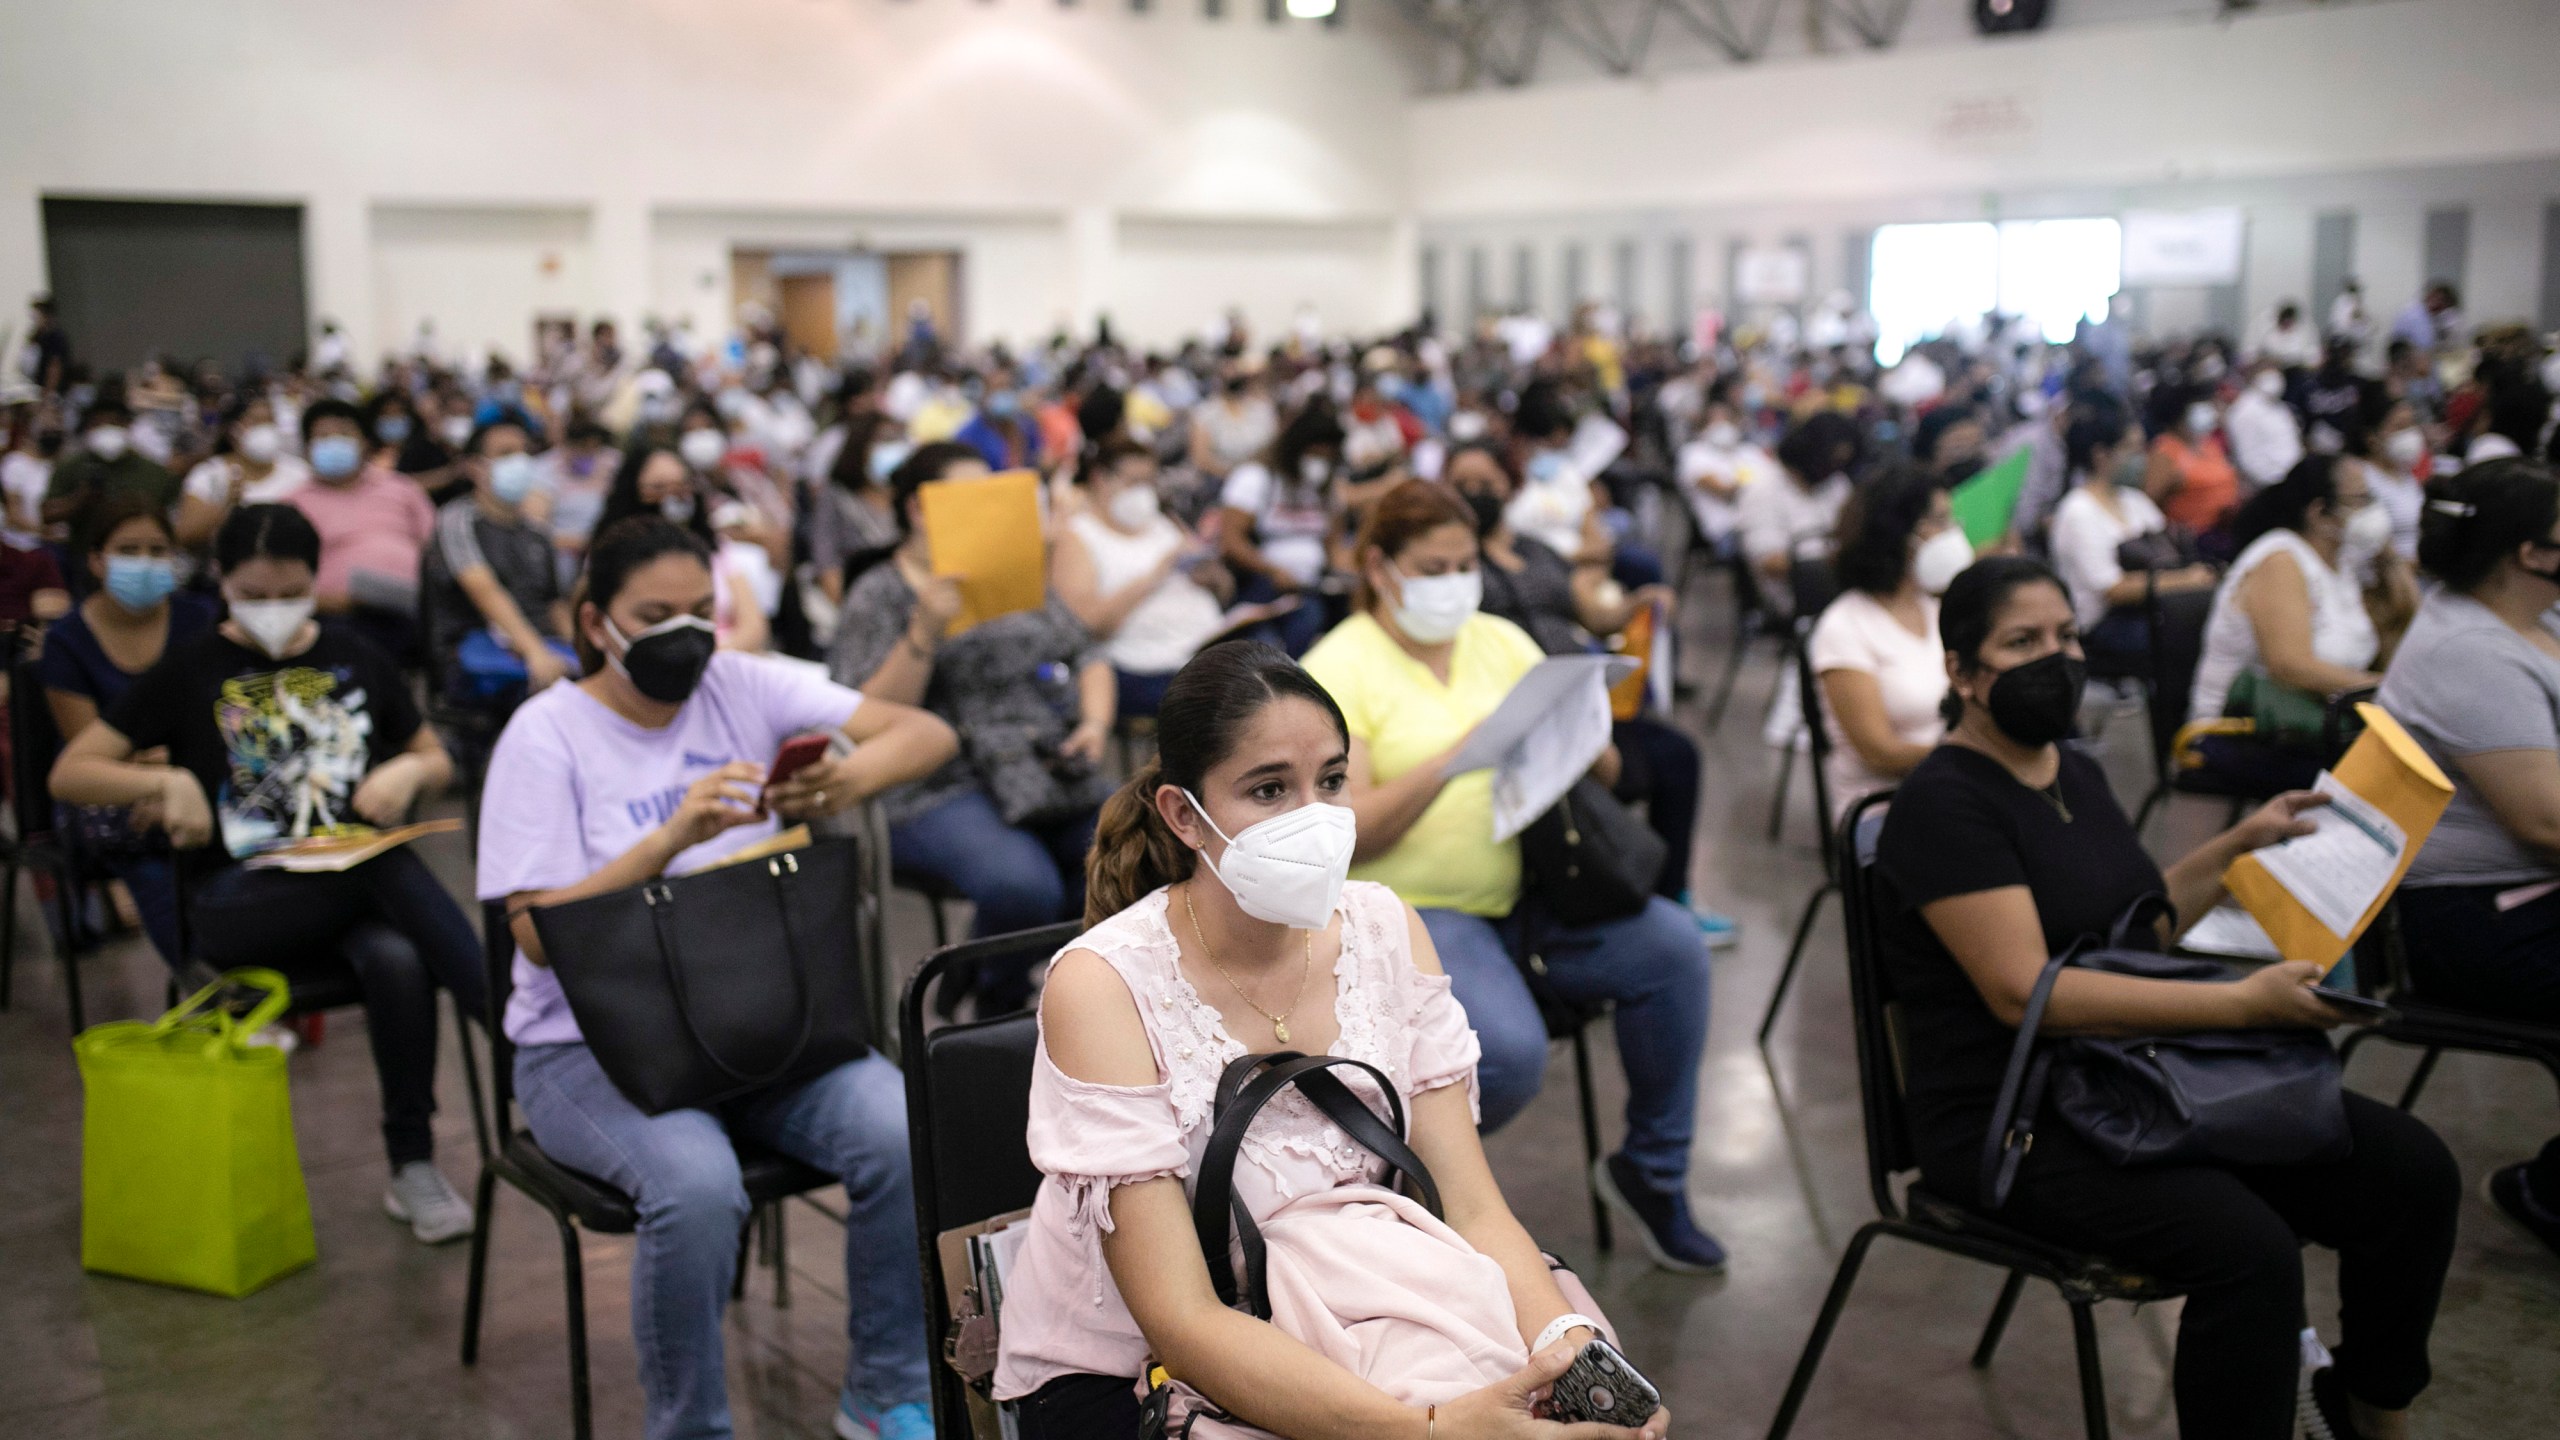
(1924, 280)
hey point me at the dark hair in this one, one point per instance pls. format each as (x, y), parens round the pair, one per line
(1313, 428)
(1490, 451)
(265, 532)
(851, 471)
(705, 409)
(2093, 428)
(1876, 526)
(620, 550)
(2167, 407)
(107, 406)
(1101, 460)
(1934, 426)
(1397, 519)
(1972, 603)
(1204, 714)
(922, 468)
(1541, 413)
(2475, 519)
(332, 408)
(1821, 445)
(112, 513)
(623, 501)
(508, 419)
(2286, 504)
(2518, 408)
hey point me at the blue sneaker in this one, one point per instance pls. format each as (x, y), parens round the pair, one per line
(857, 1419)
(1661, 1218)
(1719, 930)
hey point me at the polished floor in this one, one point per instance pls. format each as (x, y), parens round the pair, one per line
(364, 1344)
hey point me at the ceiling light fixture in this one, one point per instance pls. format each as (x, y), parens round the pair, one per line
(1310, 9)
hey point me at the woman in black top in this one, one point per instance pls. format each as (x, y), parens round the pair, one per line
(2003, 847)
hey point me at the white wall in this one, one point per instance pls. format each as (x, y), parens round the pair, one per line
(661, 119)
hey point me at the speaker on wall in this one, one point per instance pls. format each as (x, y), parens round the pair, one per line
(2005, 17)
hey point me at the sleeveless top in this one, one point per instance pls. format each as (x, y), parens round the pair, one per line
(1062, 1314)
(2342, 632)
(1166, 628)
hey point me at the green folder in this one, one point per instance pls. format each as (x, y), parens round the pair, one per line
(1985, 504)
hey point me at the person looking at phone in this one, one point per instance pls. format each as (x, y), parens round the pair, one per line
(1221, 926)
(2002, 848)
(653, 763)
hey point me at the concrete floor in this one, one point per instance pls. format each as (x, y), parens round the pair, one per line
(364, 1343)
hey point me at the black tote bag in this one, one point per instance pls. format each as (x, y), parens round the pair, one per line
(705, 987)
(1589, 858)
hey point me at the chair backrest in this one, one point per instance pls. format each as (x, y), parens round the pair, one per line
(2176, 623)
(1813, 584)
(1874, 1009)
(34, 744)
(1817, 732)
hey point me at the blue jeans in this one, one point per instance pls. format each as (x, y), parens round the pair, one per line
(682, 1169)
(1142, 695)
(1296, 632)
(1019, 878)
(1651, 965)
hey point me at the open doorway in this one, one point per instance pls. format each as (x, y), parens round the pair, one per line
(851, 305)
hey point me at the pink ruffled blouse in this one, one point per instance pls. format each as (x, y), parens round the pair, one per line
(1062, 1313)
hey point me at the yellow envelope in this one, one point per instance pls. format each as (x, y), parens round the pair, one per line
(985, 532)
(2389, 769)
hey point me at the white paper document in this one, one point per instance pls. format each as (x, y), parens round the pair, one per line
(1543, 736)
(2229, 930)
(2340, 869)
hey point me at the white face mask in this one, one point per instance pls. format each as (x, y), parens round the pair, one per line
(703, 449)
(1314, 469)
(2404, 448)
(456, 429)
(1940, 559)
(1434, 608)
(2200, 419)
(2368, 531)
(1724, 435)
(1134, 508)
(2269, 384)
(1466, 425)
(272, 623)
(261, 444)
(107, 442)
(1288, 869)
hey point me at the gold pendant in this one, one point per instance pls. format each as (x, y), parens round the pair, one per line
(1280, 1031)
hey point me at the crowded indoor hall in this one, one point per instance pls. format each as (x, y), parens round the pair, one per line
(887, 719)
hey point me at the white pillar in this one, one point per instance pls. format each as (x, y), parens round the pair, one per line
(1093, 257)
(1400, 298)
(337, 259)
(22, 265)
(618, 227)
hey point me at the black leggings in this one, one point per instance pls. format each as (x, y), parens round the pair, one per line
(389, 921)
(2231, 1238)
(2466, 952)
(1079, 1407)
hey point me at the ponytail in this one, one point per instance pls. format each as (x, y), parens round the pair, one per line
(1134, 852)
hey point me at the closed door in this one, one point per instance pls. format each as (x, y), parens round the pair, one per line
(809, 314)
(932, 276)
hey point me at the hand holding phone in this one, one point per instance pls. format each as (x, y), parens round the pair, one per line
(1601, 1387)
(797, 754)
(2360, 1007)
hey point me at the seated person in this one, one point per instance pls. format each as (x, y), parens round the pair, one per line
(134, 614)
(1875, 651)
(651, 765)
(1795, 518)
(2190, 476)
(577, 476)
(374, 524)
(492, 568)
(1415, 669)
(655, 480)
(2478, 683)
(1563, 605)
(1180, 974)
(106, 467)
(2105, 511)
(1006, 822)
(1277, 515)
(279, 727)
(1717, 466)
(1143, 585)
(249, 466)
(2003, 848)
(849, 521)
(2290, 612)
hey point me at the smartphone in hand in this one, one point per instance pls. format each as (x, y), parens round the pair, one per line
(797, 754)
(1600, 1386)
(2351, 1003)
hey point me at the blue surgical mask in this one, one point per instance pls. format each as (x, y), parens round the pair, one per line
(1004, 405)
(392, 429)
(1547, 465)
(335, 457)
(139, 582)
(511, 477)
(886, 457)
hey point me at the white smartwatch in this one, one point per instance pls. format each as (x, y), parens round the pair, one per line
(1556, 1328)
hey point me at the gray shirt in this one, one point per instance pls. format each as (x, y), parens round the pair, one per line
(2465, 684)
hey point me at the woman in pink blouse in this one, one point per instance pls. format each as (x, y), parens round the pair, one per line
(1223, 927)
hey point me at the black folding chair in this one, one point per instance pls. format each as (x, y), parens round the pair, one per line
(1818, 759)
(1753, 619)
(38, 846)
(576, 1200)
(968, 1119)
(2381, 961)
(1919, 1216)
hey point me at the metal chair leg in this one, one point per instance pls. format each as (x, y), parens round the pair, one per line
(2150, 802)
(2000, 1312)
(941, 922)
(2418, 1077)
(573, 1273)
(738, 1272)
(1822, 1327)
(1732, 672)
(8, 927)
(484, 1208)
(1778, 796)
(2093, 1383)
(1795, 955)
(781, 1256)
(1600, 1232)
(67, 895)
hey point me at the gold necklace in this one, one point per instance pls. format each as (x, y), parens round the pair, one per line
(1279, 1022)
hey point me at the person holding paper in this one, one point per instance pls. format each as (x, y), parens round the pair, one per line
(1008, 820)
(2478, 684)
(1146, 588)
(277, 727)
(1415, 669)
(2003, 848)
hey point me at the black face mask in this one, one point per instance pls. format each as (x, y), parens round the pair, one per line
(666, 661)
(1488, 508)
(1959, 470)
(2038, 703)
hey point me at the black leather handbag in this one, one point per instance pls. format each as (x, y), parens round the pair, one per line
(2236, 1097)
(705, 987)
(1590, 858)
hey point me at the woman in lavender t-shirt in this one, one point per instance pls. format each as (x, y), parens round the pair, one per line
(651, 765)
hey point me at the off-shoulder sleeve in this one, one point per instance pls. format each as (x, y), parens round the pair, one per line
(1444, 1046)
(1094, 1138)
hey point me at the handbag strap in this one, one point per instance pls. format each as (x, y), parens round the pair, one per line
(1248, 1084)
(2013, 1115)
(661, 899)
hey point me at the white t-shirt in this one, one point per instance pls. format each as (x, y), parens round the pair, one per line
(1237, 433)
(1289, 521)
(1168, 626)
(2265, 437)
(2084, 540)
(2342, 633)
(1741, 466)
(23, 478)
(1856, 632)
(210, 482)
(1782, 518)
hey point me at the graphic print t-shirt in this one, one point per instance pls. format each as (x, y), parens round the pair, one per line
(279, 746)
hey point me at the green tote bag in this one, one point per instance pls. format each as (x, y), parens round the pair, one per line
(188, 1171)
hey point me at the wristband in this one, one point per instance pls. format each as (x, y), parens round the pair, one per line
(1556, 1328)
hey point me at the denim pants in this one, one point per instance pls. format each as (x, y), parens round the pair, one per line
(1652, 966)
(2466, 952)
(683, 1171)
(391, 922)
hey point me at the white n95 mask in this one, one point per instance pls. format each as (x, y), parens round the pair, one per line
(1436, 607)
(1288, 869)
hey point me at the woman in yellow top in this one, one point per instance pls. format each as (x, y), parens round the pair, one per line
(1415, 669)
